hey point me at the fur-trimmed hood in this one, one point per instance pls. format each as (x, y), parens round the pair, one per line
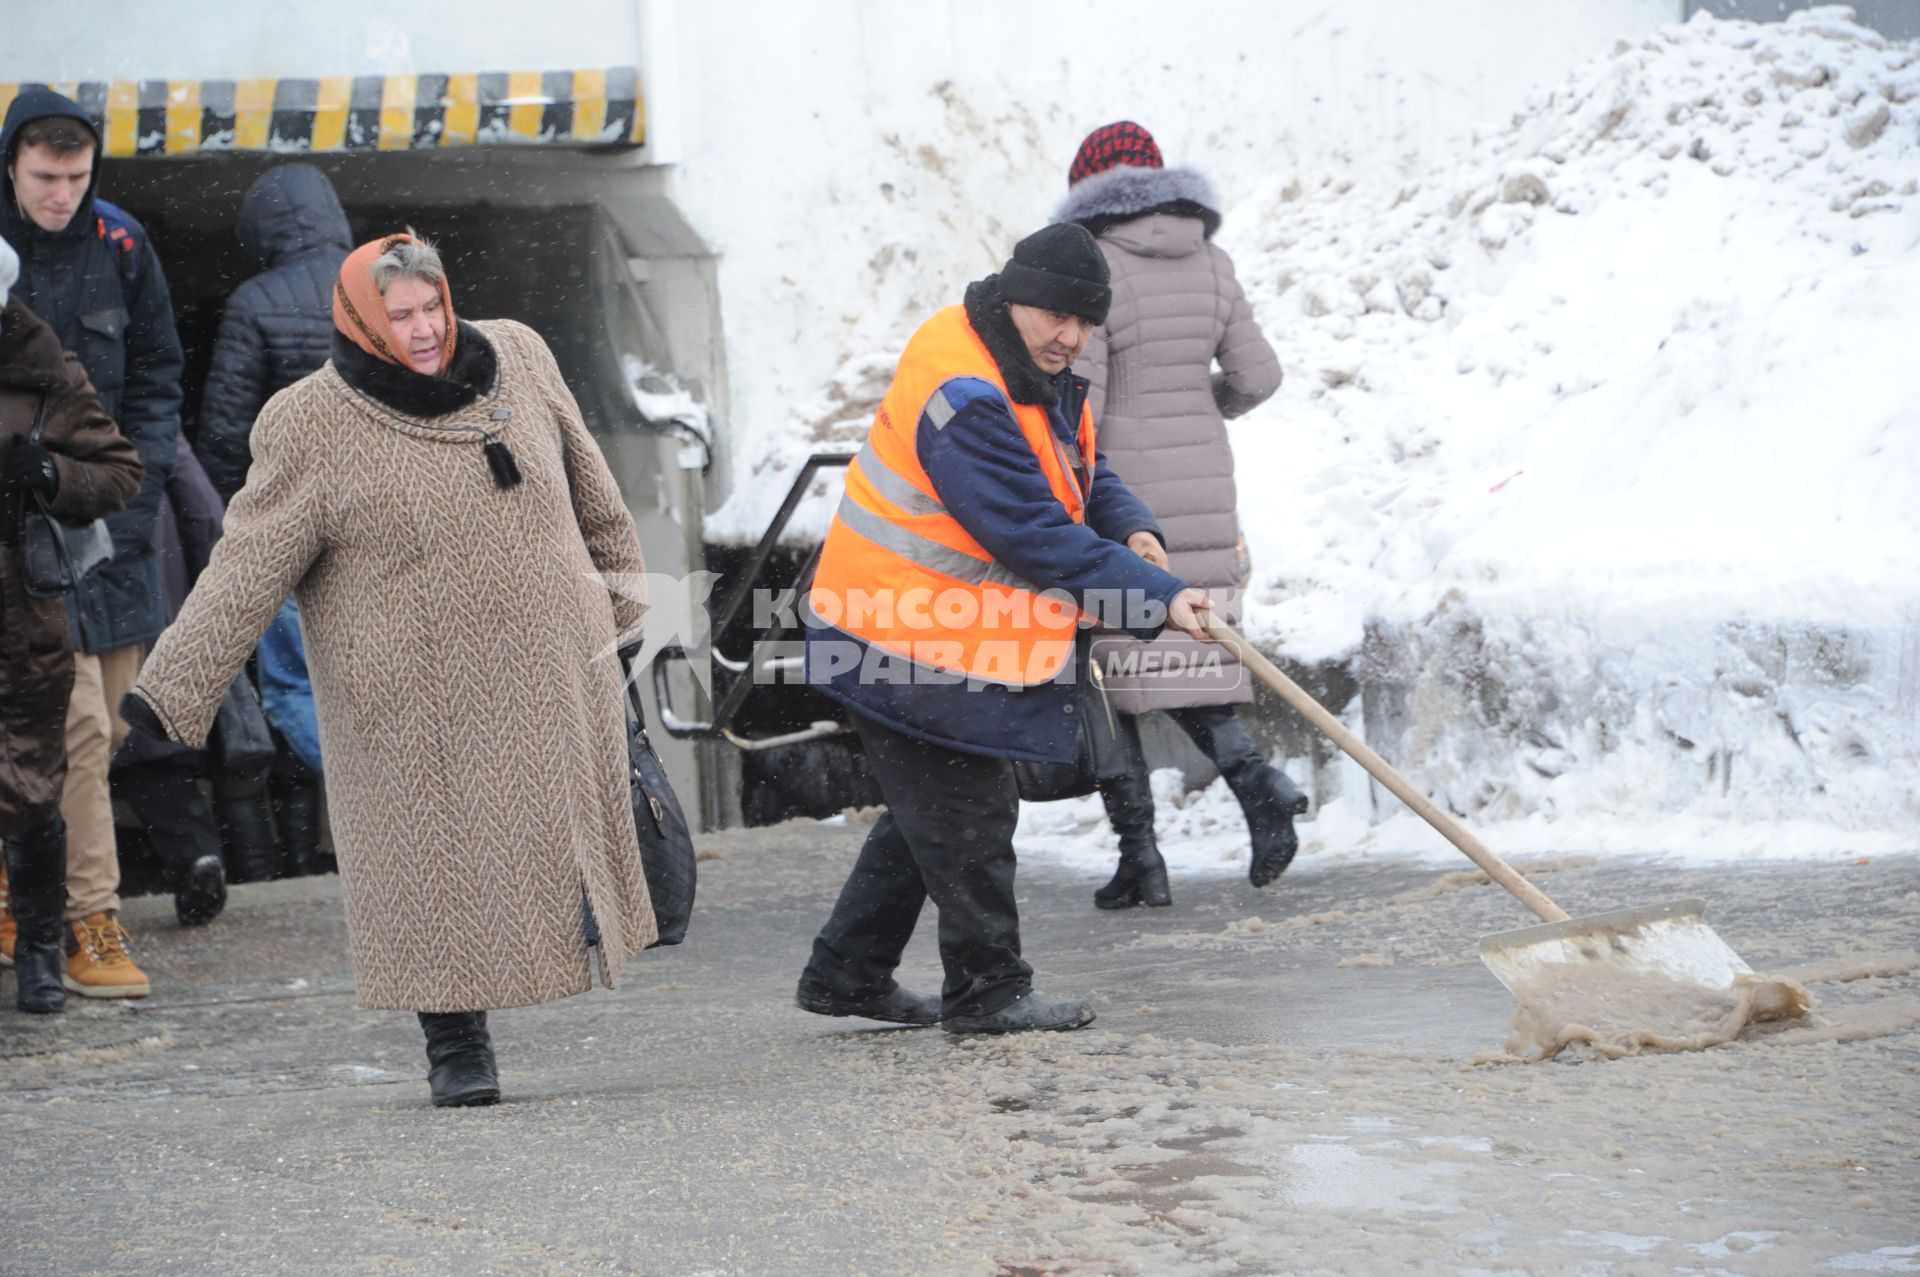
(1126, 192)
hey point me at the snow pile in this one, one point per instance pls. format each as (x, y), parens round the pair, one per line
(1600, 454)
(1648, 340)
(1602, 448)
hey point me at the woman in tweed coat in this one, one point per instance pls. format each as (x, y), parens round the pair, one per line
(433, 499)
(1161, 409)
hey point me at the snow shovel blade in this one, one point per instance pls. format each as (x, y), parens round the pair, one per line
(1664, 942)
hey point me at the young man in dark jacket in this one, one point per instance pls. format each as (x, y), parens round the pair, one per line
(980, 526)
(90, 272)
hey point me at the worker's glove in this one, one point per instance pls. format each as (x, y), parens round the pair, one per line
(30, 468)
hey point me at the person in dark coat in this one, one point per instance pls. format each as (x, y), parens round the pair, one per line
(160, 779)
(82, 468)
(89, 270)
(278, 327)
(1162, 409)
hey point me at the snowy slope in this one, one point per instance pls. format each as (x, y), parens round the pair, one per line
(1600, 452)
(1674, 298)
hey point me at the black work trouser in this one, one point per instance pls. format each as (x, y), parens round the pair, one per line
(947, 835)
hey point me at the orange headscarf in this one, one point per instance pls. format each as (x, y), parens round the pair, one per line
(360, 312)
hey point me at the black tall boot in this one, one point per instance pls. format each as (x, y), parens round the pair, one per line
(1141, 878)
(460, 1065)
(296, 813)
(180, 826)
(37, 881)
(1268, 799)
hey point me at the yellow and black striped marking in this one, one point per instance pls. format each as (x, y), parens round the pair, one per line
(361, 112)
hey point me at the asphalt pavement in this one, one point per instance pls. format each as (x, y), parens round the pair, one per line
(1270, 1087)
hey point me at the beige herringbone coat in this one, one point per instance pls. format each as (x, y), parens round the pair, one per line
(475, 746)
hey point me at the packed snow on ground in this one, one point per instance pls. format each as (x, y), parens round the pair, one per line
(1598, 461)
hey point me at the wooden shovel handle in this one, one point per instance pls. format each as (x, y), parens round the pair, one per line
(1293, 694)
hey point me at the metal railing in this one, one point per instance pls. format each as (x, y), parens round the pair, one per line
(739, 678)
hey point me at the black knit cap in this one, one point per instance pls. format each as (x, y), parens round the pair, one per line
(1059, 268)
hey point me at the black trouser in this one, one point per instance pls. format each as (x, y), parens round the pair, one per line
(947, 834)
(36, 861)
(1129, 796)
(295, 791)
(1219, 734)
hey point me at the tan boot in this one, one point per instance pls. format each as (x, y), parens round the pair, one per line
(98, 965)
(9, 929)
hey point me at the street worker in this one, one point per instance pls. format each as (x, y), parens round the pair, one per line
(277, 328)
(89, 270)
(980, 524)
(79, 468)
(1162, 411)
(433, 499)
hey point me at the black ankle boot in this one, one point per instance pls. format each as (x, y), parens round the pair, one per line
(1141, 878)
(37, 882)
(1270, 802)
(460, 1065)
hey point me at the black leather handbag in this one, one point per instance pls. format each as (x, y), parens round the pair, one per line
(56, 554)
(666, 842)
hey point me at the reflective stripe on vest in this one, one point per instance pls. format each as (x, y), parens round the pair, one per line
(901, 573)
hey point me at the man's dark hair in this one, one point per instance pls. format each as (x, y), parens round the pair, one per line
(61, 134)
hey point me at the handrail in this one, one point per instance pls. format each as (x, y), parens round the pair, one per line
(742, 683)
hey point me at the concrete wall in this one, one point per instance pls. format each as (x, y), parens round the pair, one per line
(214, 39)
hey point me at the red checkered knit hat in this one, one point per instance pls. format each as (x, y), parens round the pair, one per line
(1112, 145)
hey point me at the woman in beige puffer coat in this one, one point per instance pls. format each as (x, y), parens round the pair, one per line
(1161, 408)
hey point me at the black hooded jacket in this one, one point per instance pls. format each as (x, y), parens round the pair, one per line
(278, 325)
(98, 285)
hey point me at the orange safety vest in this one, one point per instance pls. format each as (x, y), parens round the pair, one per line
(900, 573)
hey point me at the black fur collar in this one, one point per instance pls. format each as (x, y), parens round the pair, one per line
(987, 312)
(474, 369)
